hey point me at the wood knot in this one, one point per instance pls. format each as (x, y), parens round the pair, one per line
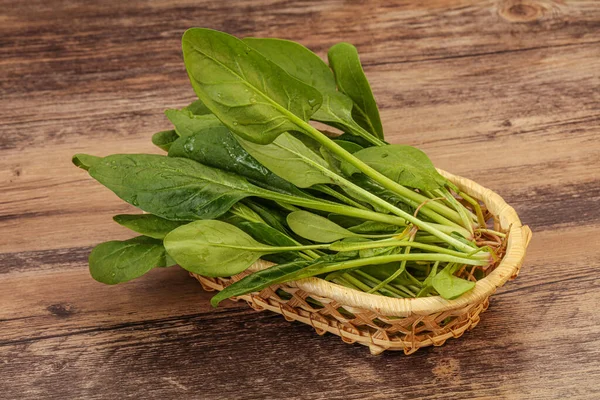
(521, 11)
(61, 310)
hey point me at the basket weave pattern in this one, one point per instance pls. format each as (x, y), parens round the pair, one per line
(384, 323)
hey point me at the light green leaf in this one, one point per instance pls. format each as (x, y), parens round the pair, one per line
(291, 160)
(351, 80)
(251, 95)
(165, 139)
(406, 165)
(85, 161)
(316, 228)
(449, 286)
(187, 124)
(214, 248)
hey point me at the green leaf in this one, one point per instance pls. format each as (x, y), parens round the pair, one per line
(267, 235)
(85, 161)
(216, 147)
(316, 228)
(350, 147)
(307, 67)
(172, 188)
(197, 107)
(121, 261)
(147, 224)
(251, 95)
(214, 248)
(291, 160)
(351, 80)
(259, 280)
(373, 227)
(449, 286)
(188, 124)
(164, 139)
(406, 165)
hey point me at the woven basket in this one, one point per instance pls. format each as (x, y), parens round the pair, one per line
(385, 323)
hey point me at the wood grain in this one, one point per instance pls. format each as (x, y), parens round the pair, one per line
(503, 92)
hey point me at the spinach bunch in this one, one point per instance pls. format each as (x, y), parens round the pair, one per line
(247, 176)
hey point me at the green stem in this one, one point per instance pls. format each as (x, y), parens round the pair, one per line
(378, 260)
(331, 192)
(356, 282)
(385, 289)
(401, 243)
(467, 223)
(372, 173)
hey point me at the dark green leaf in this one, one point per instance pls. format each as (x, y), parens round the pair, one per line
(251, 95)
(259, 280)
(121, 261)
(173, 188)
(147, 224)
(216, 147)
(351, 80)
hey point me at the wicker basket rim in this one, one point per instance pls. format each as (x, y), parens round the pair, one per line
(518, 240)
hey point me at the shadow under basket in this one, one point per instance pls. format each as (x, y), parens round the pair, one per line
(385, 323)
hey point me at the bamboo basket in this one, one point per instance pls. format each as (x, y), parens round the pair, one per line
(385, 323)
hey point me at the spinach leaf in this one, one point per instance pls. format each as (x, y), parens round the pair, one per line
(85, 161)
(373, 227)
(187, 124)
(450, 286)
(173, 188)
(259, 280)
(214, 248)
(164, 139)
(291, 160)
(216, 147)
(121, 261)
(251, 95)
(351, 80)
(350, 147)
(147, 224)
(268, 235)
(307, 67)
(317, 228)
(406, 165)
(197, 107)
(270, 215)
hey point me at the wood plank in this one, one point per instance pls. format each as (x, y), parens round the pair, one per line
(259, 355)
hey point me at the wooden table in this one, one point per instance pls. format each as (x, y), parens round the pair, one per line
(506, 93)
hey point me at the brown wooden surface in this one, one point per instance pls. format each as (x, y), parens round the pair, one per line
(504, 92)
